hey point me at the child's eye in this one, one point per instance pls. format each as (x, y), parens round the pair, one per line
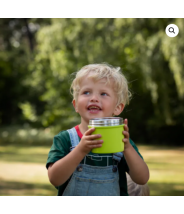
(86, 92)
(104, 94)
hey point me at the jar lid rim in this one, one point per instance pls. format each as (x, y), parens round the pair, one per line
(106, 121)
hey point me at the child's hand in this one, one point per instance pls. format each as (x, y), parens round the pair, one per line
(126, 135)
(89, 141)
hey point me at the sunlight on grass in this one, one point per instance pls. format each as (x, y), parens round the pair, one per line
(166, 167)
(37, 154)
(23, 171)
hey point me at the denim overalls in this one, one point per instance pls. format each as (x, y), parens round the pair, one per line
(93, 180)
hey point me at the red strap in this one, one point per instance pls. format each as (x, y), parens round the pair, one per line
(78, 131)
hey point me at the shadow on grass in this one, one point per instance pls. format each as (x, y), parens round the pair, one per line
(166, 189)
(11, 188)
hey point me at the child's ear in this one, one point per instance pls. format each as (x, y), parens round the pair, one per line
(118, 109)
(75, 105)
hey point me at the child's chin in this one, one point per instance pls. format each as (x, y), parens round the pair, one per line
(94, 116)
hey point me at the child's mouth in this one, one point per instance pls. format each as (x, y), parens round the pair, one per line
(94, 109)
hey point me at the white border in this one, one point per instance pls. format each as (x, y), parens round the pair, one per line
(91, 9)
(91, 205)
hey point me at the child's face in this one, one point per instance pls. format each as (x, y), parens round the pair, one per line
(96, 99)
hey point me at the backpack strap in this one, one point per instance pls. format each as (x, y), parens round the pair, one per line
(73, 138)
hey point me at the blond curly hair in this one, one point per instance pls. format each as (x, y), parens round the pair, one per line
(101, 71)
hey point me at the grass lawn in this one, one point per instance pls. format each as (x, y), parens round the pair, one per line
(23, 172)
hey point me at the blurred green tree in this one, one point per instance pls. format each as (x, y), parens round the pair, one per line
(151, 61)
(17, 41)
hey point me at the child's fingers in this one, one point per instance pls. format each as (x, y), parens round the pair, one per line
(89, 131)
(93, 137)
(125, 140)
(126, 128)
(126, 125)
(88, 134)
(126, 134)
(95, 143)
(96, 146)
(126, 121)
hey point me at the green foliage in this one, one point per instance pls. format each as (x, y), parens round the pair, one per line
(28, 111)
(16, 46)
(151, 61)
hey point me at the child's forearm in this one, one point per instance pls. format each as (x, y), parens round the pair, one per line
(138, 169)
(61, 170)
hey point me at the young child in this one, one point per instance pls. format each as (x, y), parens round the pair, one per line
(99, 90)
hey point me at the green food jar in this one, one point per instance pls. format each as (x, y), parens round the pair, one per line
(110, 128)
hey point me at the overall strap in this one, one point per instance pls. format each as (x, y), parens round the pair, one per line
(117, 156)
(73, 137)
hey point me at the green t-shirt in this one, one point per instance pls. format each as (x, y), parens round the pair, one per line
(61, 147)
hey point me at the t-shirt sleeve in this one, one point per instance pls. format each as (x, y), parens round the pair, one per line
(60, 147)
(135, 147)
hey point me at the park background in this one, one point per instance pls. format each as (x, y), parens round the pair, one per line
(37, 58)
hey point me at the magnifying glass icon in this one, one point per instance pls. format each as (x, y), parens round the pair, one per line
(171, 30)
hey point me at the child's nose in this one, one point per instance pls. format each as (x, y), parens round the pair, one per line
(94, 98)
